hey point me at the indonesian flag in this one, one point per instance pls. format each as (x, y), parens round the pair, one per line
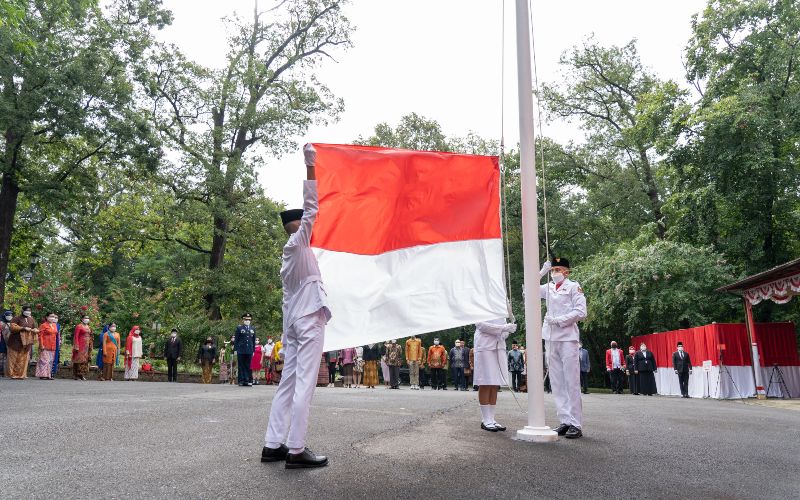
(408, 242)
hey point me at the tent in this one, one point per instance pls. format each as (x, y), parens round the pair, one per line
(726, 348)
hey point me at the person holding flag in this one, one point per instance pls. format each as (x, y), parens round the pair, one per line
(566, 305)
(305, 314)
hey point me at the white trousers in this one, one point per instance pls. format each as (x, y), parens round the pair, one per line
(302, 348)
(564, 367)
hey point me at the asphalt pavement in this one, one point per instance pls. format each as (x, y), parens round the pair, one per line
(68, 439)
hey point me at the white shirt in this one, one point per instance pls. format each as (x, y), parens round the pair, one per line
(616, 358)
(566, 306)
(491, 335)
(303, 292)
(136, 347)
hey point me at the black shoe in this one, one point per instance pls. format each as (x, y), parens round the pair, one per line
(501, 428)
(305, 460)
(274, 454)
(573, 433)
(489, 428)
(562, 429)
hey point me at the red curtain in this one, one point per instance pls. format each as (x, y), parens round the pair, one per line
(778, 344)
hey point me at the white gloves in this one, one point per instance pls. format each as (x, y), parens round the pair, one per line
(310, 155)
(510, 328)
(545, 269)
(551, 320)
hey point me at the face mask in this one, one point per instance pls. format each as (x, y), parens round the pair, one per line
(9, 318)
(52, 319)
(27, 314)
(247, 322)
(557, 278)
(435, 342)
(112, 329)
(643, 348)
(137, 333)
(85, 321)
(173, 335)
(680, 348)
(394, 341)
(631, 352)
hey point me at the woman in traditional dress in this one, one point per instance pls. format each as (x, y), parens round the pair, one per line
(358, 366)
(491, 367)
(81, 349)
(109, 352)
(277, 360)
(268, 360)
(372, 354)
(223, 362)
(207, 356)
(48, 343)
(256, 362)
(5, 333)
(322, 375)
(385, 366)
(133, 353)
(631, 372)
(19, 343)
(347, 358)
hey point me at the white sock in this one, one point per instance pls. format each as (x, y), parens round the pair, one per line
(486, 414)
(296, 451)
(273, 445)
(491, 413)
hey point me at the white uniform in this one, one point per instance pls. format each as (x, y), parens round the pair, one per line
(305, 313)
(491, 360)
(566, 305)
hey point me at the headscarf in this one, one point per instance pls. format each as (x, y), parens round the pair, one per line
(129, 345)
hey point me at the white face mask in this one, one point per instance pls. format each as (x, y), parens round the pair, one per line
(173, 335)
(435, 342)
(27, 314)
(643, 348)
(85, 321)
(557, 278)
(394, 341)
(9, 318)
(112, 329)
(247, 322)
(51, 319)
(680, 348)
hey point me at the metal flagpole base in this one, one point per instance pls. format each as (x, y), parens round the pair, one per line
(536, 434)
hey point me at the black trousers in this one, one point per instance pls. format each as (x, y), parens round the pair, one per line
(683, 379)
(394, 376)
(172, 370)
(616, 380)
(331, 372)
(245, 373)
(516, 380)
(458, 379)
(633, 383)
(437, 378)
(585, 381)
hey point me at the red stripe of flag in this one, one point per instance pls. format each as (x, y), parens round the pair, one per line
(375, 200)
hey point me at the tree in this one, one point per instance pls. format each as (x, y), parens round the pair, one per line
(413, 132)
(221, 121)
(736, 177)
(627, 114)
(66, 100)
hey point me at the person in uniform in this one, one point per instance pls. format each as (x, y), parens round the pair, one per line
(491, 367)
(682, 364)
(305, 314)
(244, 343)
(645, 369)
(566, 305)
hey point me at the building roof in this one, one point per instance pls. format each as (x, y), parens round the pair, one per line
(786, 270)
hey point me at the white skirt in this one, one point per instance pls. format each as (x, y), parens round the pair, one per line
(491, 368)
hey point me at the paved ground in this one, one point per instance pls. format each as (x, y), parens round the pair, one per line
(155, 440)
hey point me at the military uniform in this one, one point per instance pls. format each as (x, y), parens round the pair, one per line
(244, 343)
(566, 305)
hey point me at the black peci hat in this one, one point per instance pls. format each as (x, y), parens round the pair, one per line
(680, 344)
(292, 215)
(559, 262)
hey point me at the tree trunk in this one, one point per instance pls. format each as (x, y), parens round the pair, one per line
(9, 193)
(651, 190)
(215, 264)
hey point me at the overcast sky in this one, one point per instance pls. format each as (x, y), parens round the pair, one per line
(442, 59)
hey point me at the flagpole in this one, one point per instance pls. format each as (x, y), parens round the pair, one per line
(536, 430)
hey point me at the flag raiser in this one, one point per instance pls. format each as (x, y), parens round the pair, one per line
(408, 242)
